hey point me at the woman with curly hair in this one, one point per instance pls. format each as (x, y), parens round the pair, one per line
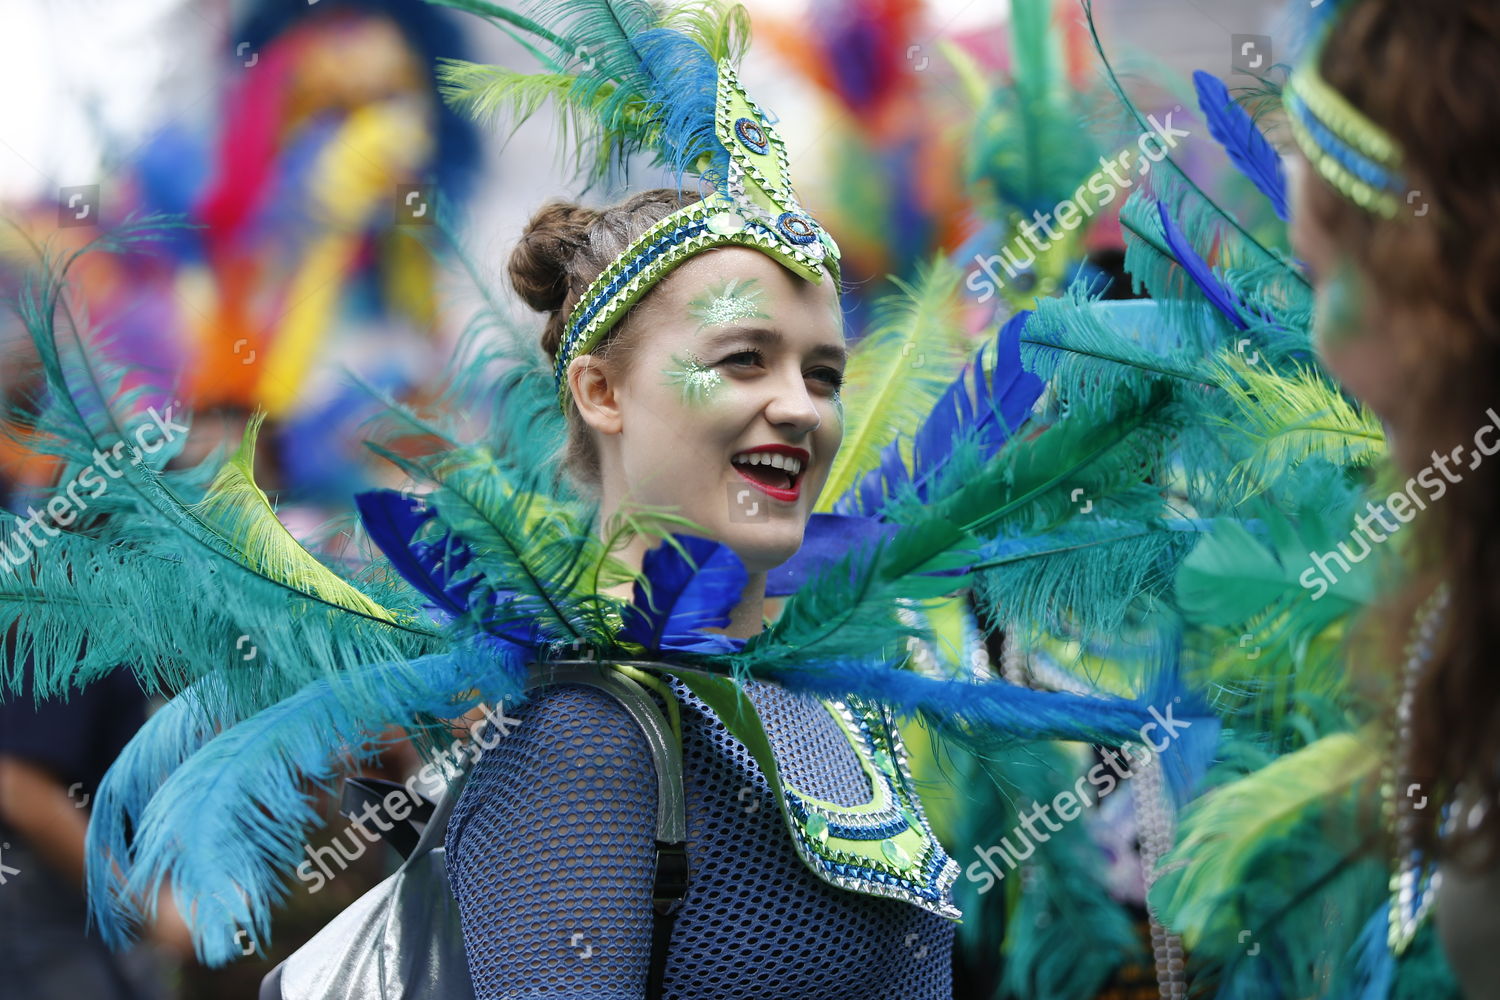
(1394, 212)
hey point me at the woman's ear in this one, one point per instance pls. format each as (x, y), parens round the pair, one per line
(595, 394)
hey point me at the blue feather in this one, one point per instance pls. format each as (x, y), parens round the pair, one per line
(170, 736)
(1235, 130)
(435, 568)
(956, 707)
(685, 595)
(825, 539)
(392, 520)
(1003, 400)
(1198, 270)
(1191, 750)
(1375, 966)
(685, 80)
(1002, 397)
(230, 823)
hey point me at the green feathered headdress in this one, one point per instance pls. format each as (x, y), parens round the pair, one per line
(664, 81)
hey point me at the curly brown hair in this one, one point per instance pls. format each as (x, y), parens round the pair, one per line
(1429, 74)
(564, 248)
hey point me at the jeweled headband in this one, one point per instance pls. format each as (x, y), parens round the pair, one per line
(1353, 154)
(753, 205)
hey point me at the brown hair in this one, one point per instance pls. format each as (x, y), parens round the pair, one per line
(1429, 74)
(564, 248)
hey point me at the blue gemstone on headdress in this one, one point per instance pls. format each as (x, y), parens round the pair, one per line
(796, 227)
(749, 132)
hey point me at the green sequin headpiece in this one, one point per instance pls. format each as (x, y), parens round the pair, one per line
(752, 205)
(1353, 154)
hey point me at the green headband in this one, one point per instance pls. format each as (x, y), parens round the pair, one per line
(753, 206)
(1353, 154)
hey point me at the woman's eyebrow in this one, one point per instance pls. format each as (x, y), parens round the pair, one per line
(767, 337)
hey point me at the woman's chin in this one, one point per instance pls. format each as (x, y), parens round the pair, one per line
(762, 546)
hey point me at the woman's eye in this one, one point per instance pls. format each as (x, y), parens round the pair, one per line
(831, 376)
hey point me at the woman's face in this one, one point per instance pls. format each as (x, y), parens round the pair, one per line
(735, 354)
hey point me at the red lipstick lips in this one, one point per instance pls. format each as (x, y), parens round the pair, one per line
(789, 494)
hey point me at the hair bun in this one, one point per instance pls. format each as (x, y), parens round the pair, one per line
(539, 265)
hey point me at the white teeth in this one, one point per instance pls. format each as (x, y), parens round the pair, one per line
(791, 465)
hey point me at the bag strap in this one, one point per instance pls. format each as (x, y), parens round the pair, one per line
(362, 793)
(671, 881)
(671, 877)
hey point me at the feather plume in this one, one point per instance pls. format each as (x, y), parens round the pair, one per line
(898, 371)
(1236, 131)
(1220, 832)
(170, 736)
(1273, 873)
(688, 585)
(992, 713)
(984, 405)
(643, 79)
(1197, 269)
(241, 511)
(1188, 202)
(528, 546)
(440, 570)
(204, 578)
(1027, 146)
(234, 816)
(1291, 418)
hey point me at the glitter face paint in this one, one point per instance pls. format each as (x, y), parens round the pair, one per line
(729, 302)
(697, 382)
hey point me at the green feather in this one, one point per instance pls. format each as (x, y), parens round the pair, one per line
(1051, 924)
(241, 512)
(896, 373)
(1273, 874)
(1027, 148)
(1085, 578)
(487, 92)
(208, 586)
(1220, 833)
(1291, 418)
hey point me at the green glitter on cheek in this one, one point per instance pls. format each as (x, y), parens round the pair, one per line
(731, 301)
(697, 382)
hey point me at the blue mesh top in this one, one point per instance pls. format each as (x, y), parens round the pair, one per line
(550, 856)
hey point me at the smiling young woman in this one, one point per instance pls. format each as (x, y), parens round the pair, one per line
(716, 396)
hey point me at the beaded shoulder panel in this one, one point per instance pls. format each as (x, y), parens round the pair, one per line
(883, 847)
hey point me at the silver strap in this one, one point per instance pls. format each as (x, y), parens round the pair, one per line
(666, 754)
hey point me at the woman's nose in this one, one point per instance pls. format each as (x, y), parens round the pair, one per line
(792, 404)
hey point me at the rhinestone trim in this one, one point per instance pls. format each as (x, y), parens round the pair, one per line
(927, 880)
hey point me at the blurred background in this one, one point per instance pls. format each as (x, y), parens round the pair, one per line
(305, 147)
